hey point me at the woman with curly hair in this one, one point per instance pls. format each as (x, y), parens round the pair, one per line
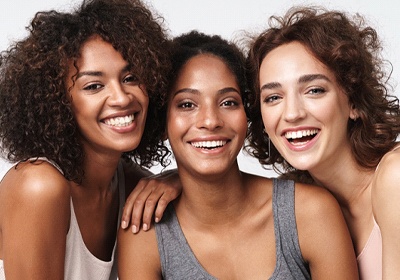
(79, 100)
(322, 112)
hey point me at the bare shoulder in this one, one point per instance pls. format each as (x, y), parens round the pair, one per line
(321, 229)
(31, 179)
(36, 186)
(139, 241)
(132, 248)
(313, 199)
(385, 190)
(34, 220)
(387, 173)
(316, 209)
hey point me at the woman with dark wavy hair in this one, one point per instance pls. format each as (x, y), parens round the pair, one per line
(322, 112)
(79, 98)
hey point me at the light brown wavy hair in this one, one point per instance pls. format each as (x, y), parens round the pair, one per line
(35, 114)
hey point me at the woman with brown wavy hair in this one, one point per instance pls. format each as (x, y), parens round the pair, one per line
(78, 115)
(322, 113)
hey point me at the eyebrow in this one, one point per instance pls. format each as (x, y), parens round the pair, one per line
(195, 91)
(89, 73)
(97, 73)
(302, 79)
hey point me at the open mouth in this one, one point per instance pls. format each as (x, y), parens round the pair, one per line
(120, 121)
(209, 145)
(301, 136)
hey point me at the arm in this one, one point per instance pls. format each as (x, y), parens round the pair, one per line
(323, 235)
(138, 256)
(150, 196)
(386, 209)
(35, 219)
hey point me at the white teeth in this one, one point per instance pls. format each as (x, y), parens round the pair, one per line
(300, 133)
(209, 144)
(120, 121)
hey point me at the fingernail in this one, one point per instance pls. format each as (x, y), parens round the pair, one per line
(124, 224)
(145, 227)
(134, 229)
(157, 220)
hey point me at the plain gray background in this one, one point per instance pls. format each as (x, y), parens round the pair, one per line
(228, 18)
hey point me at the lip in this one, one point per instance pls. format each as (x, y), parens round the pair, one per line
(121, 122)
(120, 114)
(209, 145)
(298, 144)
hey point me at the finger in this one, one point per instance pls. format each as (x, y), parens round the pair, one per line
(138, 208)
(149, 208)
(126, 214)
(130, 203)
(164, 200)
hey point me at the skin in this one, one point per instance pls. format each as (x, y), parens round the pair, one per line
(226, 215)
(148, 200)
(35, 198)
(291, 103)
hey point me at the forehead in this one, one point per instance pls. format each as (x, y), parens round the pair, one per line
(96, 54)
(205, 69)
(292, 60)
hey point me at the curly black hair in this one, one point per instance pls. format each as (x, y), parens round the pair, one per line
(351, 50)
(35, 114)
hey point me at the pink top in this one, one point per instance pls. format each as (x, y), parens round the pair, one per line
(370, 258)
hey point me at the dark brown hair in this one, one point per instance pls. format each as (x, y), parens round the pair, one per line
(35, 114)
(188, 45)
(351, 50)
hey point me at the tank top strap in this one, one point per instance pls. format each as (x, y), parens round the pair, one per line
(34, 159)
(289, 260)
(284, 215)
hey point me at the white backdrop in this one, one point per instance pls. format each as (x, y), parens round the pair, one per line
(226, 18)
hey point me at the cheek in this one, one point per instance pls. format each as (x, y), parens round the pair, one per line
(176, 123)
(241, 122)
(269, 117)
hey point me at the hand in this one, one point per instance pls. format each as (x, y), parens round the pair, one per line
(151, 193)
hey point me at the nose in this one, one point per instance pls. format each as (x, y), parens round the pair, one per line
(119, 96)
(294, 109)
(209, 117)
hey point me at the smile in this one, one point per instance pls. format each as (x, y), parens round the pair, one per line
(208, 144)
(120, 121)
(301, 136)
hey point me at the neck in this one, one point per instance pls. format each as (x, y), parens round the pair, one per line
(99, 171)
(212, 200)
(346, 180)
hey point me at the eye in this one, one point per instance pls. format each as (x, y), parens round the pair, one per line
(93, 87)
(229, 103)
(316, 91)
(185, 105)
(130, 79)
(271, 98)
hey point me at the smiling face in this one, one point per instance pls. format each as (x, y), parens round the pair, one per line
(304, 111)
(206, 121)
(109, 106)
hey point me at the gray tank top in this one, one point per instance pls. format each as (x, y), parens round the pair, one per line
(179, 262)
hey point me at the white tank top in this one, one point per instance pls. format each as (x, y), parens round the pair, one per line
(80, 263)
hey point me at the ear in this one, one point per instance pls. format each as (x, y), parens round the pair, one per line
(353, 113)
